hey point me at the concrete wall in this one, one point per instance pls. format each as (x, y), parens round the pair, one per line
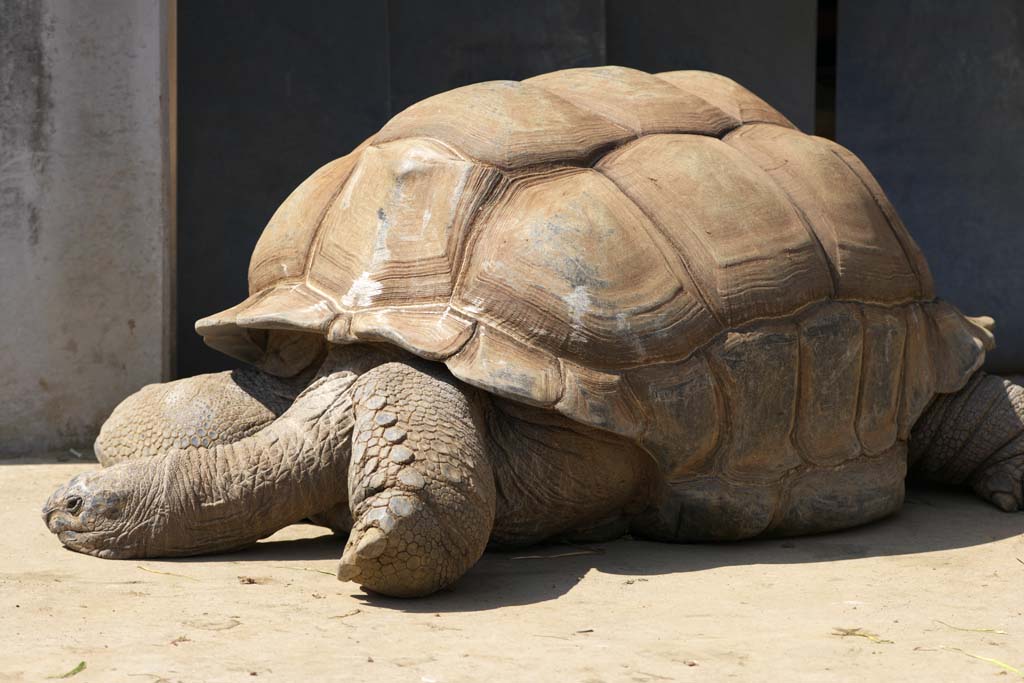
(85, 244)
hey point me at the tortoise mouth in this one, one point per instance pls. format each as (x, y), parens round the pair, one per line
(79, 542)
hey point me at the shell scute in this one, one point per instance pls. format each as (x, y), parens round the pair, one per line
(496, 362)
(506, 124)
(391, 236)
(830, 370)
(637, 101)
(571, 265)
(283, 248)
(872, 257)
(727, 95)
(745, 245)
(756, 370)
(432, 332)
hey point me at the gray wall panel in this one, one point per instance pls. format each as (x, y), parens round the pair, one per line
(930, 94)
(437, 46)
(769, 47)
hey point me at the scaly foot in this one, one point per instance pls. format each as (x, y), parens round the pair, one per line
(420, 485)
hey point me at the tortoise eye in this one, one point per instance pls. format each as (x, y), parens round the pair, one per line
(73, 504)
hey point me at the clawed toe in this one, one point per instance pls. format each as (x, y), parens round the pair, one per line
(397, 556)
(1003, 485)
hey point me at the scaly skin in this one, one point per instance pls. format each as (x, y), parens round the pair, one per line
(201, 412)
(975, 437)
(420, 484)
(199, 500)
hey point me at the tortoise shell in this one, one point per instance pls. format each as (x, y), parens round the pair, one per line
(601, 242)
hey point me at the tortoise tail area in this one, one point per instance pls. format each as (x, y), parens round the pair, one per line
(975, 437)
(808, 420)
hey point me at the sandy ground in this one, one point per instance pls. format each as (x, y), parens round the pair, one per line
(934, 593)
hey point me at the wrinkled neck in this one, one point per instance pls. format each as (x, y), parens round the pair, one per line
(232, 495)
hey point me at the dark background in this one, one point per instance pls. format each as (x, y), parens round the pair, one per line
(929, 93)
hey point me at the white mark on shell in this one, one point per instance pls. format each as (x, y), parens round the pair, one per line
(362, 292)
(578, 302)
(353, 182)
(376, 402)
(424, 224)
(381, 252)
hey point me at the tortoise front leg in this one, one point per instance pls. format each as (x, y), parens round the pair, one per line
(421, 489)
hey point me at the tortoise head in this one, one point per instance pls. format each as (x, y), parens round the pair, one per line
(110, 513)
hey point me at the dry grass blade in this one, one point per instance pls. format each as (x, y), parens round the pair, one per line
(1002, 665)
(77, 670)
(860, 633)
(157, 571)
(350, 613)
(553, 557)
(306, 569)
(971, 630)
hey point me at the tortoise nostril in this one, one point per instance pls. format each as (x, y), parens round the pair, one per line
(73, 504)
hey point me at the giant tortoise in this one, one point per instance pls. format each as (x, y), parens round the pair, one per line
(592, 303)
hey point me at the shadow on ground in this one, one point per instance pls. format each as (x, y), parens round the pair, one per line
(932, 519)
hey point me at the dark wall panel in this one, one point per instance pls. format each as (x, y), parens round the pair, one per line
(437, 46)
(930, 94)
(268, 92)
(769, 47)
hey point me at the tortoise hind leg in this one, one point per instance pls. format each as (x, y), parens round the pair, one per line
(975, 437)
